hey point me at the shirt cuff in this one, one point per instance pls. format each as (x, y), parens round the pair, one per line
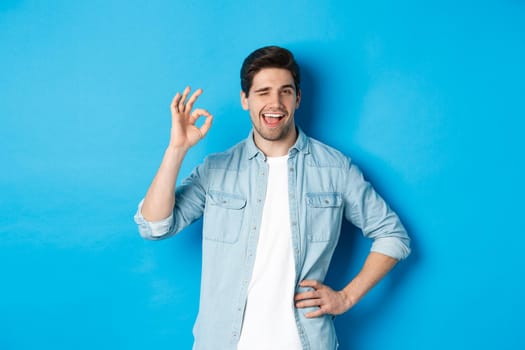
(394, 247)
(152, 229)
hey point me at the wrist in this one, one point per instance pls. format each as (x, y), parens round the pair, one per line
(350, 299)
(177, 149)
(174, 155)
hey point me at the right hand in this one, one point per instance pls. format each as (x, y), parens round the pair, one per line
(184, 132)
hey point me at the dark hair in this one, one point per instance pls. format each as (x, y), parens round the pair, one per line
(268, 57)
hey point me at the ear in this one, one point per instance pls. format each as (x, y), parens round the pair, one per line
(244, 101)
(298, 99)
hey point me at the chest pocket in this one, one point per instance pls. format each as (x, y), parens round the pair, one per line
(223, 216)
(323, 215)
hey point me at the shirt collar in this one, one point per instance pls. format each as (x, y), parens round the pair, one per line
(301, 145)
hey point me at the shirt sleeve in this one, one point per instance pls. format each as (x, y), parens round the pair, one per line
(190, 198)
(368, 211)
(152, 229)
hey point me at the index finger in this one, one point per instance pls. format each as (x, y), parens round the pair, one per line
(196, 114)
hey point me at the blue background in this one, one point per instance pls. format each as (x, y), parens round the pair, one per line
(427, 97)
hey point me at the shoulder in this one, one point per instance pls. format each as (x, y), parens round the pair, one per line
(230, 158)
(322, 155)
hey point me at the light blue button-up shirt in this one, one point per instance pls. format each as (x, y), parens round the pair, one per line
(228, 189)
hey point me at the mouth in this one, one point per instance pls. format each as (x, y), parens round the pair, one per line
(273, 119)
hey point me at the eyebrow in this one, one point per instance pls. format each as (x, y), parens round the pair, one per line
(267, 88)
(288, 86)
(264, 89)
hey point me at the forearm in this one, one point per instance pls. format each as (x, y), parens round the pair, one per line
(332, 302)
(376, 266)
(160, 197)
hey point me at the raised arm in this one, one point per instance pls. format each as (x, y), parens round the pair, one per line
(160, 198)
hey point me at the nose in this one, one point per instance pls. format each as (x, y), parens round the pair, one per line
(276, 99)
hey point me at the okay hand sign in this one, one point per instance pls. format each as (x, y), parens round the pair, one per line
(184, 132)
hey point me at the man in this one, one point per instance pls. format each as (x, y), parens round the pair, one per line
(272, 207)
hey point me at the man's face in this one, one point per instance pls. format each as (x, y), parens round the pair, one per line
(272, 102)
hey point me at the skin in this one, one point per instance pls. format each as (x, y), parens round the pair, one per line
(330, 302)
(272, 94)
(160, 198)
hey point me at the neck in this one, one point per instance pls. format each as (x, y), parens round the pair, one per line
(276, 148)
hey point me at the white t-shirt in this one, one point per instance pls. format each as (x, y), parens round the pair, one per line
(269, 321)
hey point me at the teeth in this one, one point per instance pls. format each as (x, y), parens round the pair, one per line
(273, 115)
